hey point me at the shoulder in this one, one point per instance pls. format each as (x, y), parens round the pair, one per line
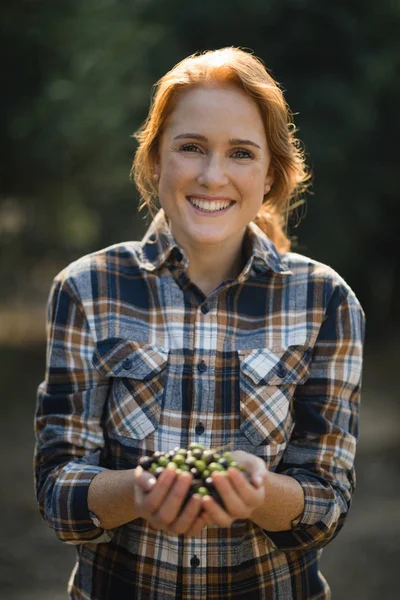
(324, 280)
(80, 275)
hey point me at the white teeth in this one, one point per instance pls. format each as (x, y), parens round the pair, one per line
(209, 206)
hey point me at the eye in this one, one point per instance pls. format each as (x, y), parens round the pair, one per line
(241, 153)
(189, 148)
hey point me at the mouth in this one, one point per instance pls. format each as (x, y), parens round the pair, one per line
(209, 206)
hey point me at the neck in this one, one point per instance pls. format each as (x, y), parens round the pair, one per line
(209, 266)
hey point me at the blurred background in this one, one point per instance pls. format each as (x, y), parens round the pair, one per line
(76, 80)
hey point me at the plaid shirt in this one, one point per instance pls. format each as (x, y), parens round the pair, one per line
(139, 359)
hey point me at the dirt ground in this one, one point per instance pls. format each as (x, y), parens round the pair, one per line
(361, 564)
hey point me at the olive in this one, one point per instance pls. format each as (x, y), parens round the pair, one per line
(195, 445)
(179, 460)
(196, 473)
(163, 461)
(172, 466)
(206, 473)
(200, 465)
(203, 491)
(182, 451)
(194, 486)
(190, 461)
(217, 456)
(170, 454)
(228, 456)
(145, 462)
(197, 453)
(224, 462)
(158, 472)
(208, 456)
(184, 468)
(214, 466)
(209, 483)
(156, 455)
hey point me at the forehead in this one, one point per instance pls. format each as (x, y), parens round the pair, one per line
(218, 109)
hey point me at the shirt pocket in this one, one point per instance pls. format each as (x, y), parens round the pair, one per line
(137, 373)
(267, 382)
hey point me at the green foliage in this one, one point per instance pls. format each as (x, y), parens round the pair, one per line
(78, 76)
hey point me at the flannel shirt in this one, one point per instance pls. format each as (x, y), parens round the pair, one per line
(139, 360)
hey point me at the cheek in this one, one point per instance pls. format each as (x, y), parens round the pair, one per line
(176, 172)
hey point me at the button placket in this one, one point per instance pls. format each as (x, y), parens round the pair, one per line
(202, 367)
(199, 429)
(194, 561)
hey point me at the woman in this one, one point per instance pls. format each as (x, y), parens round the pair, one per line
(203, 332)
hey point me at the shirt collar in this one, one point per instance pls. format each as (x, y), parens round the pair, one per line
(160, 246)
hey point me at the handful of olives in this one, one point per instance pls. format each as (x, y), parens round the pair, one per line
(198, 461)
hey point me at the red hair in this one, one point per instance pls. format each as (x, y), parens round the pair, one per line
(241, 69)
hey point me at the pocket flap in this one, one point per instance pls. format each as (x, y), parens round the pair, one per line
(118, 357)
(276, 366)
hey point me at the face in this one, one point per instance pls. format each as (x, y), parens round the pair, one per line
(213, 166)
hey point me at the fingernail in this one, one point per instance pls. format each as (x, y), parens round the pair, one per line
(152, 482)
(257, 480)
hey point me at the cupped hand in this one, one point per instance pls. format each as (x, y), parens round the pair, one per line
(239, 495)
(160, 501)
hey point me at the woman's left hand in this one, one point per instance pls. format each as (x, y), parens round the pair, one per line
(241, 497)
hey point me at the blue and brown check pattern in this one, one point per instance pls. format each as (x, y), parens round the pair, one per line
(269, 363)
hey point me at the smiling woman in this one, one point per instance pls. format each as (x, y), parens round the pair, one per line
(208, 333)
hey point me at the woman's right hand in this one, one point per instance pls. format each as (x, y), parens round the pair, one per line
(159, 501)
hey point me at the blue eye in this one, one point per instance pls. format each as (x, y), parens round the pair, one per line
(243, 154)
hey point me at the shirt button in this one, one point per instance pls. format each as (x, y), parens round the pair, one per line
(199, 429)
(281, 372)
(127, 363)
(194, 561)
(205, 309)
(202, 367)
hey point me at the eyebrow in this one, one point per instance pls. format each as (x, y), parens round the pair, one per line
(202, 138)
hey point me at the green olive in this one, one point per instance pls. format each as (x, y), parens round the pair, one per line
(200, 465)
(214, 466)
(179, 460)
(203, 491)
(195, 445)
(163, 461)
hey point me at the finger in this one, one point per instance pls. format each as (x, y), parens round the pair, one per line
(216, 513)
(254, 465)
(249, 494)
(198, 525)
(144, 479)
(233, 502)
(156, 497)
(188, 516)
(173, 501)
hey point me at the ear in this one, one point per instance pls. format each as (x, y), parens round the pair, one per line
(156, 172)
(269, 180)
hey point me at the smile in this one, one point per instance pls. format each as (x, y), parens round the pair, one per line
(209, 206)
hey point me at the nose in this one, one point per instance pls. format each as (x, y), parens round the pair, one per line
(213, 173)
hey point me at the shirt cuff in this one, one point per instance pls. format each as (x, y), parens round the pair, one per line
(71, 516)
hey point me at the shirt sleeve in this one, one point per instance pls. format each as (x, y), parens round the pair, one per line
(321, 451)
(69, 436)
